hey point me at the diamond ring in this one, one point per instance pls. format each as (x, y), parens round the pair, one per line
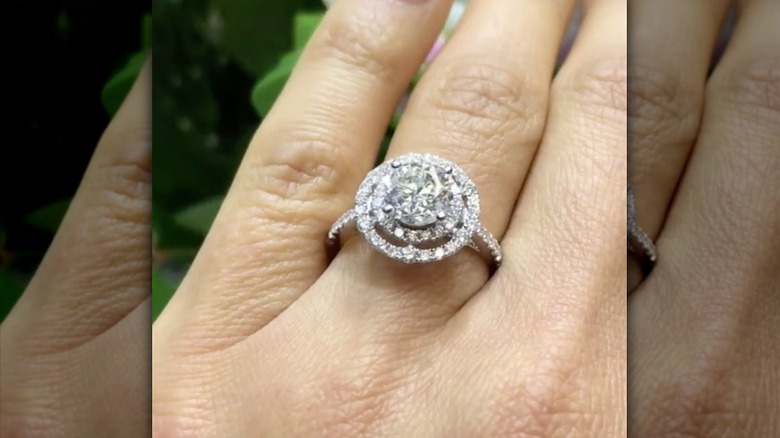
(417, 208)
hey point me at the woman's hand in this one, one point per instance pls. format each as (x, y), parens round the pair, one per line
(75, 348)
(264, 338)
(705, 168)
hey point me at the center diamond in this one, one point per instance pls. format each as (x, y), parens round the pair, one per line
(419, 193)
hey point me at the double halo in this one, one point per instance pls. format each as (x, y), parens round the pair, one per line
(417, 208)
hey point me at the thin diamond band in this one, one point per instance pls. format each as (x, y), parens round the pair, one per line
(639, 243)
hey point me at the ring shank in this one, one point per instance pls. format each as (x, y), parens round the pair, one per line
(639, 243)
(481, 241)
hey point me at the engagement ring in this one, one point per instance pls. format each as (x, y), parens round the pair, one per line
(418, 208)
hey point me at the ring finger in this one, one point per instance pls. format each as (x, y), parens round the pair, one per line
(482, 105)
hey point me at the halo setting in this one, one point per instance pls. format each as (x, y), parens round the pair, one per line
(418, 208)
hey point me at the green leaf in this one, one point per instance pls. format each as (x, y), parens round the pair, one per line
(270, 86)
(146, 32)
(255, 33)
(116, 89)
(162, 291)
(198, 217)
(50, 216)
(167, 234)
(380, 156)
(416, 79)
(304, 25)
(267, 89)
(10, 291)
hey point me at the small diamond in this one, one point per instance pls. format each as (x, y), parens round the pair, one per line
(398, 232)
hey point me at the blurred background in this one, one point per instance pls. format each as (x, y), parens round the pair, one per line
(77, 61)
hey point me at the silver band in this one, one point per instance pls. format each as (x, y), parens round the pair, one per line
(482, 241)
(639, 243)
(417, 208)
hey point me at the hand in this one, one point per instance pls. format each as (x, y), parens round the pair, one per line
(264, 338)
(704, 162)
(75, 345)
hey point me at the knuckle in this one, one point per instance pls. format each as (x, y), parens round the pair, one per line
(485, 102)
(356, 400)
(662, 105)
(699, 405)
(553, 401)
(126, 192)
(753, 87)
(124, 175)
(304, 174)
(600, 87)
(358, 42)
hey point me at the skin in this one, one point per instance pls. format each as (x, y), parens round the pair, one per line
(75, 349)
(703, 333)
(264, 338)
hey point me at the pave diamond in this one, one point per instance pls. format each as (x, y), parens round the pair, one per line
(419, 193)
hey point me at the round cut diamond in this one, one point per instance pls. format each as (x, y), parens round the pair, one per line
(419, 193)
(426, 206)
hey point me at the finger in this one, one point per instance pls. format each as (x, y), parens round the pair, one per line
(565, 246)
(726, 212)
(96, 270)
(671, 45)
(482, 105)
(304, 164)
(483, 102)
(562, 284)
